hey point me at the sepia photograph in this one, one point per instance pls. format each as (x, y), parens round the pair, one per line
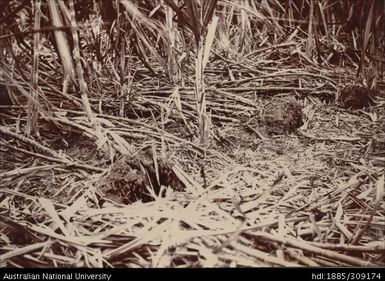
(192, 134)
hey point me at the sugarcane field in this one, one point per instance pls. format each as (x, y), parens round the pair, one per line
(192, 133)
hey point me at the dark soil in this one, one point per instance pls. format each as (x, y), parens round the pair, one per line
(282, 116)
(5, 98)
(355, 97)
(131, 178)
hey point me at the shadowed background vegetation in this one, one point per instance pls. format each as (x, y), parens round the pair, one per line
(75, 44)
